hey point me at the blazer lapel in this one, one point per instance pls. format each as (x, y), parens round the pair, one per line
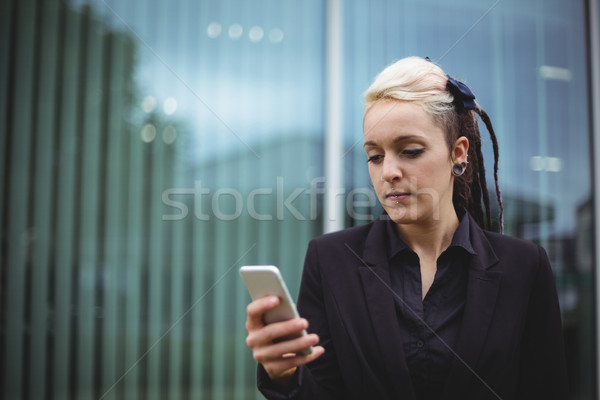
(379, 296)
(482, 291)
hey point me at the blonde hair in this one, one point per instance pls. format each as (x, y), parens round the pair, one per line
(412, 79)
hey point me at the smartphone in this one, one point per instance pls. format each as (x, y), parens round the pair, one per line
(266, 280)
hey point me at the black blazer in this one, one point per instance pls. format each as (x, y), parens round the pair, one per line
(510, 345)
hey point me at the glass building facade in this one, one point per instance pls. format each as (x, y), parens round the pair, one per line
(150, 148)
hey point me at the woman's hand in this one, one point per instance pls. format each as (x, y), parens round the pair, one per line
(281, 359)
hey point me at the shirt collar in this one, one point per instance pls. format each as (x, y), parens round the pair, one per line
(461, 237)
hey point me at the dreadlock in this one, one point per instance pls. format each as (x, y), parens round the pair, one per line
(470, 189)
(488, 124)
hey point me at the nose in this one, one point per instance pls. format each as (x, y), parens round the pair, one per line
(391, 169)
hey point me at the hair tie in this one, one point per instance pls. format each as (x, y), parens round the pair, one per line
(462, 94)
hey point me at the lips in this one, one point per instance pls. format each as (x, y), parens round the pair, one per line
(397, 197)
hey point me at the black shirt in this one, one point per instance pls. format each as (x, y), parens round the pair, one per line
(430, 327)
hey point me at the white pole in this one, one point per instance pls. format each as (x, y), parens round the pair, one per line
(333, 218)
(595, 69)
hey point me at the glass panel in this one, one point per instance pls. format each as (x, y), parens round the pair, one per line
(150, 149)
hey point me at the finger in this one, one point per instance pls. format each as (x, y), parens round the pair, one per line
(276, 351)
(265, 335)
(278, 367)
(256, 309)
(285, 329)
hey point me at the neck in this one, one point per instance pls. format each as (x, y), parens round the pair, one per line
(431, 238)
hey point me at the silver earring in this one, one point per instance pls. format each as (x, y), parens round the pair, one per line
(459, 169)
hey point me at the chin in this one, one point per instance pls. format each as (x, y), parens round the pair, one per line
(402, 215)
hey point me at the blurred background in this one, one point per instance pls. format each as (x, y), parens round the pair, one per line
(148, 149)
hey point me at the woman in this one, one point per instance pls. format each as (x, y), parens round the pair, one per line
(422, 303)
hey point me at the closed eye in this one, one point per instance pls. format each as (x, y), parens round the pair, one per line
(412, 153)
(375, 159)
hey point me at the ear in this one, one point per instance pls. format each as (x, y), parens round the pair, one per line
(460, 150)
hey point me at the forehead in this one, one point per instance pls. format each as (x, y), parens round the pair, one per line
(387, 120)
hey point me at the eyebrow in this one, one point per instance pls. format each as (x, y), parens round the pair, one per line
(396, 140)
